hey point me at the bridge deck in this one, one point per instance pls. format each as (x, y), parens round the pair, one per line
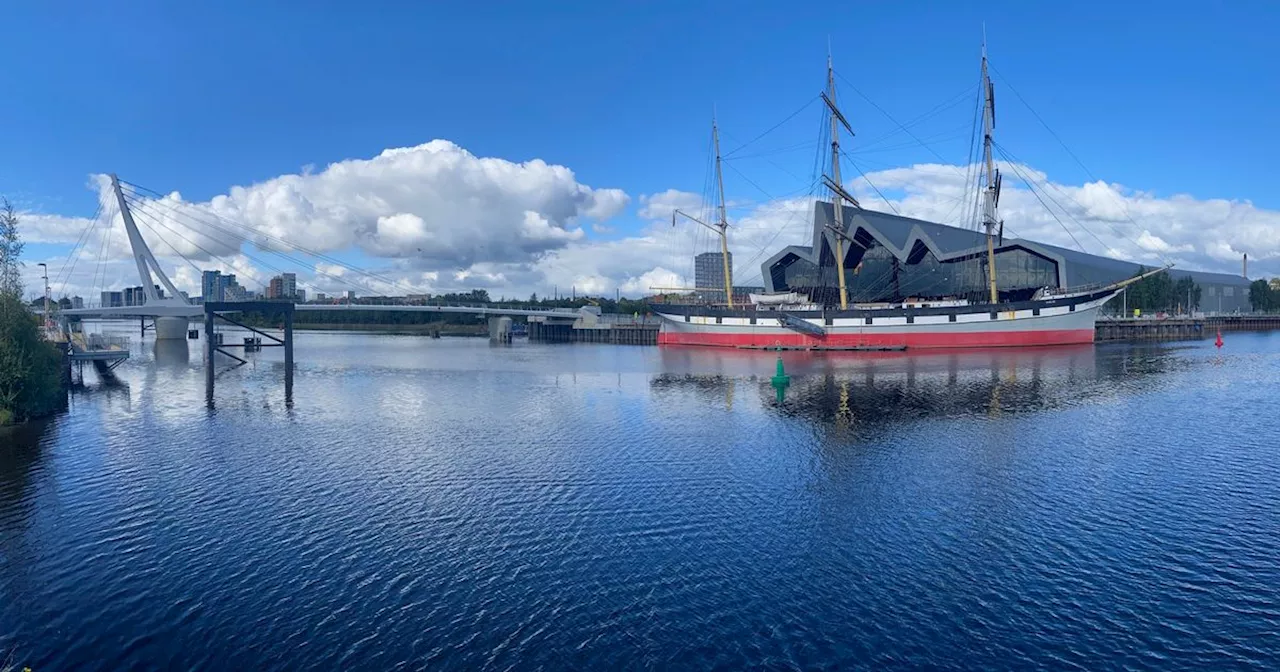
(198, 310)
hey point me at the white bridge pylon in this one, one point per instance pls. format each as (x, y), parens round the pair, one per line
(144, 258)
(171, 314)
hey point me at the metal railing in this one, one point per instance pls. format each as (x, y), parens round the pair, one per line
(87, 342)
(623, 320)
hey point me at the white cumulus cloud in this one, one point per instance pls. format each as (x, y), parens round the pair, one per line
(435, 218)
(659, 206)
(1096, 217)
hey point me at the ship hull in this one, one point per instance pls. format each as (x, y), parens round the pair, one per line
(1060, 321)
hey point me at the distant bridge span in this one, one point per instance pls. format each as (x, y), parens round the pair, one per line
(161, 309)
(473, 310)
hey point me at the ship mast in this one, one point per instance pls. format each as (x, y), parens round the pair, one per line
(839, 195)
(721, 227)
(990, 195)
(723, 224)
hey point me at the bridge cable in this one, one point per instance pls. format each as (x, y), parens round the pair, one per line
(141, 208)
(139, 202)
(176, 212)
(258, 232)
(104, 245)
(74, 255)
(241, 239)
(158, 219)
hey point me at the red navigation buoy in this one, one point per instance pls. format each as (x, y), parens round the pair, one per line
(1219, 341)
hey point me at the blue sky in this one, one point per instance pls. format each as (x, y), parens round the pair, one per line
(1160, 97)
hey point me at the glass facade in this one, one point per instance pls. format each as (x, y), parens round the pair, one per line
(882, 277)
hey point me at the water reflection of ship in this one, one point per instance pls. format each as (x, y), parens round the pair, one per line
(880, 388)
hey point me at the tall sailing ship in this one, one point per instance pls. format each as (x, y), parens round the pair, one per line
(822, 320)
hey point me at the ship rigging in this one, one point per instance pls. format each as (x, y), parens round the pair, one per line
(813, 320)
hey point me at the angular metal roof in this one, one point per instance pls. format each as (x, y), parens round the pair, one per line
(909, 239)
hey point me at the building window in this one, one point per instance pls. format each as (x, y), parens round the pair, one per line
(1228, 291)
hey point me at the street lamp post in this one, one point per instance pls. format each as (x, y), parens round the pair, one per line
(46, 294)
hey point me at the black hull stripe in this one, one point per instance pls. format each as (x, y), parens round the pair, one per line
(971, 309)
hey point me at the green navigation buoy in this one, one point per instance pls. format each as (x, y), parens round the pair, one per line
(780, 381)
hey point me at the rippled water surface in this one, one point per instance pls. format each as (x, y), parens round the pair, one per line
(443, 504)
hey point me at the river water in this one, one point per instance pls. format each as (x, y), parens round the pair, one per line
(445, 504)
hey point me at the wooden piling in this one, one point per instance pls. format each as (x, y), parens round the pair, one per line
(288, 356)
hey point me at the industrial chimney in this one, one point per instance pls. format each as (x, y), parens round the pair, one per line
(1245, 270)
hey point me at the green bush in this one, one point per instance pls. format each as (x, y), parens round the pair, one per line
(30, 367)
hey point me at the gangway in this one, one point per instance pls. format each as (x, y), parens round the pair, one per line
(796, 324)
(104, 352)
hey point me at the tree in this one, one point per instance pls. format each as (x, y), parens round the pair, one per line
(1186, 293)
(1262, 297)
(1157, 292)
(30, 367)
(10, 251)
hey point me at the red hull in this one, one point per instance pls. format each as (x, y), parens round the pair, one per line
(973, 339)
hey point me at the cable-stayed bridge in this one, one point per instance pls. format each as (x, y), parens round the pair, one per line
(172, 313)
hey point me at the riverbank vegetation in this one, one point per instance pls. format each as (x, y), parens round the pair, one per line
(1265, 296)
(30, 367)
(445, 323)
(427, 329)
(1159, 293)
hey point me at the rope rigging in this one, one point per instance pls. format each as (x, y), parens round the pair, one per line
(1013, 162)
(775, 127)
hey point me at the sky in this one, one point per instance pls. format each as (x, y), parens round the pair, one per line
(540, 147)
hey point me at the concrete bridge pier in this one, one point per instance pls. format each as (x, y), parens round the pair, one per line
(500, 330)
(171, 328)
